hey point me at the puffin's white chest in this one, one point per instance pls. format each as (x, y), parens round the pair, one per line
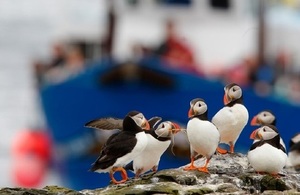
(230, 122)
(151, 154)
(203, 136)
(267, 158)
(141, 144)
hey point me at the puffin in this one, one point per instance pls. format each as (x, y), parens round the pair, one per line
(294, 153)
(267, 155)
(203, 135)
(232, 118)
(265, 117)
(122, 147)
(159, 139)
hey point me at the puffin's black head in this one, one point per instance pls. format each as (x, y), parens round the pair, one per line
(135, 121)
(198, 108)
(233, 93)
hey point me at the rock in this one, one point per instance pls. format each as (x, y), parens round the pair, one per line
(48, 190)
(229, 174)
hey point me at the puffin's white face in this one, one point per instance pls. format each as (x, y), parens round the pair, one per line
(232, 93)
(296, 138)
(166, 129)
(265, 118)
(264, 133)
(141, 121)
(197, 108)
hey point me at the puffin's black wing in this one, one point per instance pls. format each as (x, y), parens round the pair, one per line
(117, 145)
(256, 144)
(108, 123)
(154, 121)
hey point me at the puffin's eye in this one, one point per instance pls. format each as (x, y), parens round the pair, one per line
(199, 105)
(163, 126)
(265, 114)
(233, 89)
(264, 129)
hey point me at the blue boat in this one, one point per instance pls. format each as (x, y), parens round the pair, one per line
(104, 89)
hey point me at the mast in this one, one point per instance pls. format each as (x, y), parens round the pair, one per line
(261, 32)
(108, 40)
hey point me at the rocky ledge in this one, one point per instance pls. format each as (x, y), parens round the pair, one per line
(229, 174)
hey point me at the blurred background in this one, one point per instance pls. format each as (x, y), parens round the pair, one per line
(66, 62)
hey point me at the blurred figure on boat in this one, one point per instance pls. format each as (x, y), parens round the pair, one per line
(176, 52)
(57, 58)
(63, 65)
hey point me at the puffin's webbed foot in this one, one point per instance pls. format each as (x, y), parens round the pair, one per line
(221, 151)
(123, 175)
(191, 166)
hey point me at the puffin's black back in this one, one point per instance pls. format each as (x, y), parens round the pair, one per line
(118, 144)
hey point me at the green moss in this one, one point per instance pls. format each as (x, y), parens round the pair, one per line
(60, 190)
(227, 188)
(269, 182)
(162, 188)
(180, 176)
(159, 188)
(247, 179)
(22, 191)
(199, 191)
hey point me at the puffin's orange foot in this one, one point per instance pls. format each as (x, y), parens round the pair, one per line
(123, 175)
(221, 151)
(190, 168)
(118, 182)
(203, 169)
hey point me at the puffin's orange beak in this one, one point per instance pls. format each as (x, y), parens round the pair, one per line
(190, 113)
(225, 99)
(146, 125)
(255, 135)
(255, 121)
(175, 128)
